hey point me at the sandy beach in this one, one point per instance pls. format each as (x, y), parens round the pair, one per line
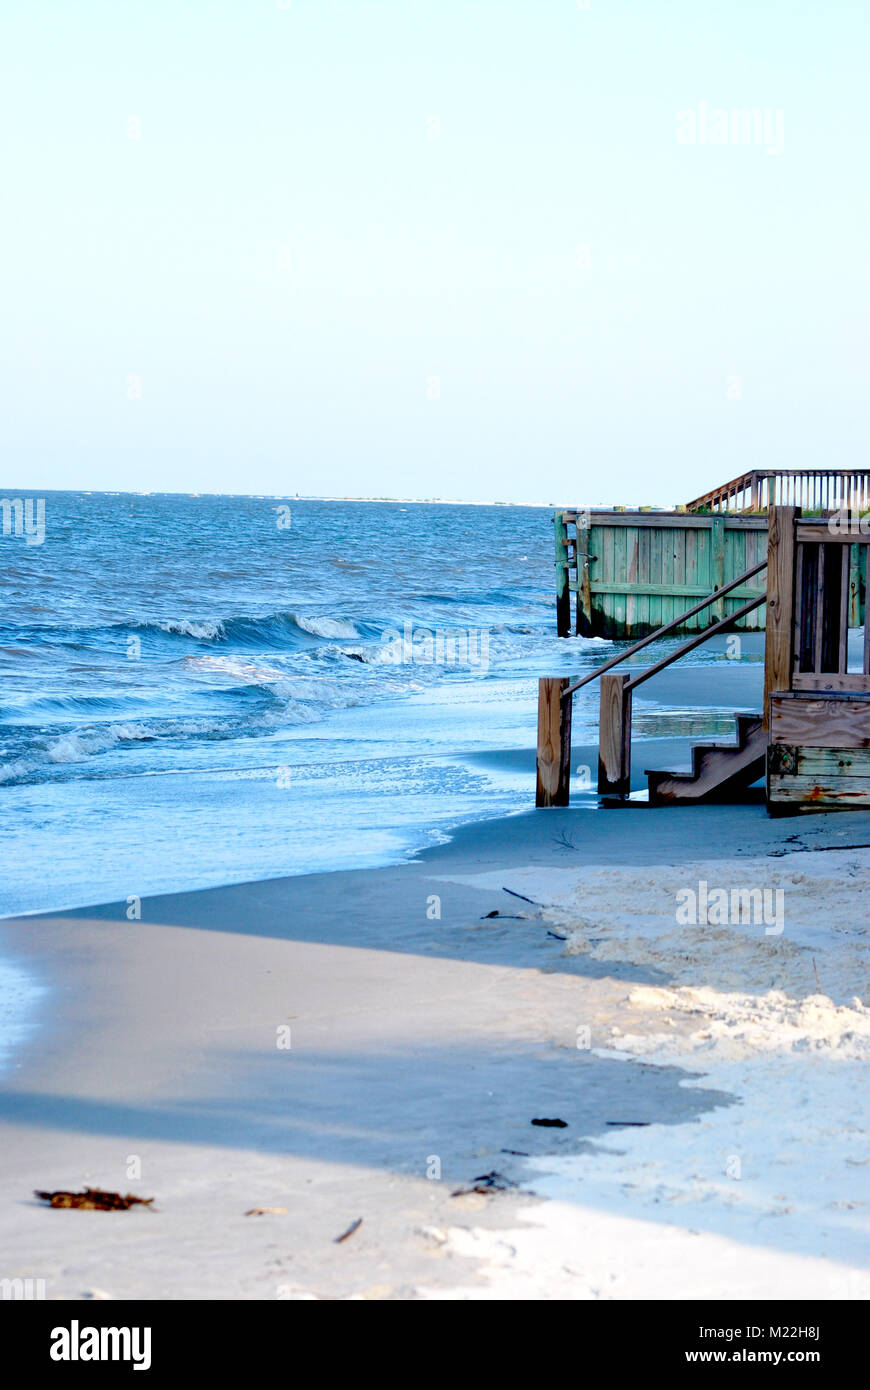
(364, 1045)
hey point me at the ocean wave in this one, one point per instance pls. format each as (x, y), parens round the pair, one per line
(74, 746)
(293, 691)
(327, 627)
(292, 629)
(205, 630)
(248, 672)
(271, 629)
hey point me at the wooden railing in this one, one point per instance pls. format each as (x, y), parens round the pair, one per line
(820, 621)
(823, 489)
(614, 736)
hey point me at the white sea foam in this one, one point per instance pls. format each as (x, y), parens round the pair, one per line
(326, 627)
(249, 672)
(189, 627)
(73, 747)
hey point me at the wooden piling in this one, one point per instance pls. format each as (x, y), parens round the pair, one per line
(563, 591)
(584, 588)
(717, 562)
(614, 735)
(554, 742)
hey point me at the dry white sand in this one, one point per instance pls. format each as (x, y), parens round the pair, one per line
(420, 1049)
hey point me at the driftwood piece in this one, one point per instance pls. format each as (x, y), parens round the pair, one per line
(354, 1226)
(94, 1199)
(484, 1184)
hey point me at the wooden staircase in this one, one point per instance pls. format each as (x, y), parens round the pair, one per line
(719, 770)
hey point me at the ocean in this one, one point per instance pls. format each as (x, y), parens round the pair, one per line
(205, 690)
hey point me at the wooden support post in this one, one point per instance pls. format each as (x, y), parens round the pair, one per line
(584, 590)
(554, 742)
(563, 591)
(717, 563)
(856, 608)
(779, 630)
(614, 735)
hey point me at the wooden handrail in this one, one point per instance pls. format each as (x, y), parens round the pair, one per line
(739, 484)
(694, 642)
(554, 704)
(675, 622)
(812, 487)
(614, 722)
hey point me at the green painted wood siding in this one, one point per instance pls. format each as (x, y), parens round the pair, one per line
(646, 568)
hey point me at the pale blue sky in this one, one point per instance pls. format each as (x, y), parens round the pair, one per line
(285, 258)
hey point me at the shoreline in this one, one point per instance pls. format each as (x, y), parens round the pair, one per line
(412, 1039)
(505, 765)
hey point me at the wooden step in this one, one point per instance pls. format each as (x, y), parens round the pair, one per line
(719, 770)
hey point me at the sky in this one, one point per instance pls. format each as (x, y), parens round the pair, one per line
(496, 250)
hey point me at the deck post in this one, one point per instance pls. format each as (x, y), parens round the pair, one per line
(779, 629)
(554, 742)
(856, 607)
(584, 589)
(614, 735)
(563, 591)
(717, 563)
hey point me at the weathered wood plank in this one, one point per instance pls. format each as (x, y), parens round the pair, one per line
(818, 601)
(778, 645)
(614, 735)
(843, 648)
(832, 762)
(844, 792)
(717, 561)
(584, 627)
(857, 681)
(671, 590)
(683, 521)
(554, 742)
(822, 723)
(563, 591)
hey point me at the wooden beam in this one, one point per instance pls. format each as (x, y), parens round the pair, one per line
(843, 634)
(614, 735)
(779, 629)
(667, 590)
(563, 593)
(855, 681)
(584, 593)
(717, 562)
(554, 742)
